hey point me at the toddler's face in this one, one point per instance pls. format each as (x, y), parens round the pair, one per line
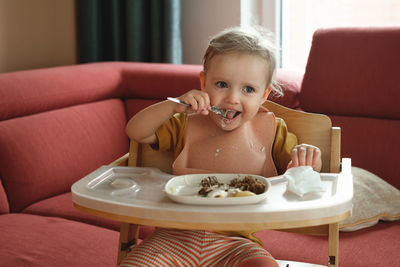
(238, 82)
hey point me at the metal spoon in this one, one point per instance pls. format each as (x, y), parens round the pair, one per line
(216, 110)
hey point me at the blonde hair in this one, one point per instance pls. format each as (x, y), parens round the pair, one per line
(252, 40)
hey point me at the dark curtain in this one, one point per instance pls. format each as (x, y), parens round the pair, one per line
(129, 30)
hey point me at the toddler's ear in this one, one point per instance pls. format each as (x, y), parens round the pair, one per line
(202, 81)
(266, 94)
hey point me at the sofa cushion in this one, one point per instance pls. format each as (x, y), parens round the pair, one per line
(373, 200)
(62, 206)
(33, 91)
(374, 246)
(4, 207)
(372, 144)
(42, 155)
(30, 240)
(353, 71)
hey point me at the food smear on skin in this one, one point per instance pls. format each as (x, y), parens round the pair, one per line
(217, 151)
(224, 122)
(247, 186)
(251, 144)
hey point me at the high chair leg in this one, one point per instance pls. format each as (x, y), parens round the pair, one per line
(333, 245)
(128, 236)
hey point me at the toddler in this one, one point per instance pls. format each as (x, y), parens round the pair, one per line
(238, 75)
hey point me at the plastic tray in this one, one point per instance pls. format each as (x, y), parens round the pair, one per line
(139, 192)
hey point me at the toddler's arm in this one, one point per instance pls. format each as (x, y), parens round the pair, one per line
(306, 155)
(143, 126)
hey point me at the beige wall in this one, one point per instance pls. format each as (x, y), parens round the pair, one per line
(36, 34)
(202, 19)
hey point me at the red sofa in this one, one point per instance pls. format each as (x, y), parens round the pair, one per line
(59, 124)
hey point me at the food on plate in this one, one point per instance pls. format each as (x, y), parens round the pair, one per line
(244, 194)
(248, 183)
(247, 186)
(208, 184)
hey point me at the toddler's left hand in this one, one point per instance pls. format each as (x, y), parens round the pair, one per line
(306, 155)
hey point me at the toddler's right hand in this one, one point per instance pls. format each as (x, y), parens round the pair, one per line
(199, 101)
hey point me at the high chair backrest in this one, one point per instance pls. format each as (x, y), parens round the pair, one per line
(314, 129)
(144, 156)
(310, 128)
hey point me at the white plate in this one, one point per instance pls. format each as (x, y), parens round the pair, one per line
(184, 189)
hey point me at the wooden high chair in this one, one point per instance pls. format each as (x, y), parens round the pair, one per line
(315, 129)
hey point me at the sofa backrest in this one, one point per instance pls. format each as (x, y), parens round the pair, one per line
(146, 84)
(59, 124)
(56, 126)
(34, 91)
(353, 76)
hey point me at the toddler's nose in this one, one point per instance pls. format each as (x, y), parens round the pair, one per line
(232, 97)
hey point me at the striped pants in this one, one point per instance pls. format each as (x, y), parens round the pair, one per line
(171, 247)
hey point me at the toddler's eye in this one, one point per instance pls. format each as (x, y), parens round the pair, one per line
(221, 84)
(248, 89)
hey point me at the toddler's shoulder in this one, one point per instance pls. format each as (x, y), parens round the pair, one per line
(280, 123)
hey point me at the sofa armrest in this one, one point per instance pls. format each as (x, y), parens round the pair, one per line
(122, 161)
(290, 82)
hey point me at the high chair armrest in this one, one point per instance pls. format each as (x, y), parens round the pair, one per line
(122, 161)
(346, 165)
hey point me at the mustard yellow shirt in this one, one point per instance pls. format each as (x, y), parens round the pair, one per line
(172, 134)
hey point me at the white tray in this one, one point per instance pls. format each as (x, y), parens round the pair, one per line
(138, 192)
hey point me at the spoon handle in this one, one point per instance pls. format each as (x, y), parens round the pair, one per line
(216, 110)
(176, 100)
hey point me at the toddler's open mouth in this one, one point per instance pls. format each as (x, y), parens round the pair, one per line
(231, 114)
